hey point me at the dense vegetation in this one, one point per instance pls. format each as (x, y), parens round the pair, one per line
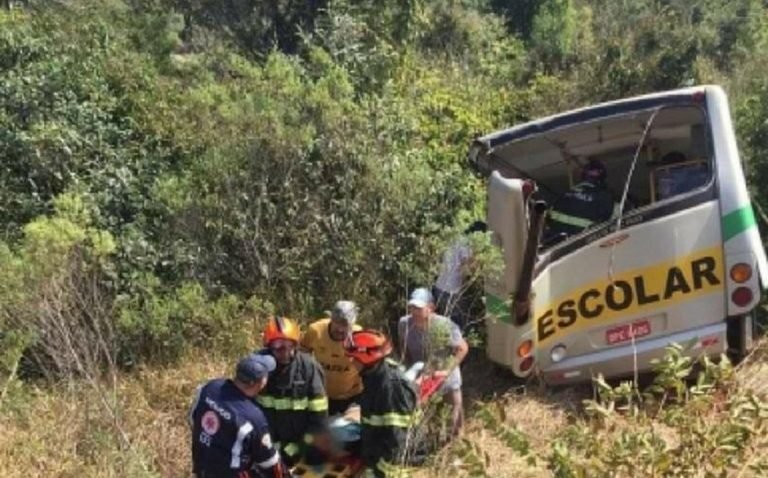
(223, 159)
(170, 170)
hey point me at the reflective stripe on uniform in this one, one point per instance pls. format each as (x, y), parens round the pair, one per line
(282, 403)
(314, 405)
(570, 220)
(402, 420)
(391, 470)
(291, 449)
(395, 363)
(237, 448)
(318, 404)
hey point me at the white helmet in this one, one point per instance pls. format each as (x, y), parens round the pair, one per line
(345, 310)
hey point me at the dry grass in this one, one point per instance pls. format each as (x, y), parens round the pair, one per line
(539, 414)
(542, 414)
(752, 373)
(63, 432)
(539, 417)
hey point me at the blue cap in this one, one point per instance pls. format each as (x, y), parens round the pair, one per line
(421, 297)
(254, 367)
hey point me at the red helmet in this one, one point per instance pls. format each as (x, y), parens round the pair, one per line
(281, 328)
(367, 346)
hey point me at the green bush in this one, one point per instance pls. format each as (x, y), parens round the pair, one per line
(161, 325)
(673, 428)
(304, 153)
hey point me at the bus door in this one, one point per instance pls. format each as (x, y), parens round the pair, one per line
(507, 219)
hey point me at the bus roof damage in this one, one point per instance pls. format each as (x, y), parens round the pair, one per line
(486, 149)
(550, 150)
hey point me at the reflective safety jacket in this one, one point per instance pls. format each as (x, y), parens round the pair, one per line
(295, 403)
(387, 409)
(581, 207)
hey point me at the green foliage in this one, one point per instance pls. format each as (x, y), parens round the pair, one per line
(300, 152)
(553, 32)
(674, 428)
(161, 325)
(49, 281)
(172, 171)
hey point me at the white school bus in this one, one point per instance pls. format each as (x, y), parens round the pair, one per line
(680, 260)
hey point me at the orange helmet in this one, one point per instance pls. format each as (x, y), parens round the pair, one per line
(367, 346)
(280, 328)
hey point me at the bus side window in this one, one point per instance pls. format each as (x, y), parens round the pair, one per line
(678, 178)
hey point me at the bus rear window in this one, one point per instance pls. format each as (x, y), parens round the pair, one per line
(666, 150)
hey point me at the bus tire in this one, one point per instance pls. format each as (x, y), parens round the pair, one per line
(739, 332)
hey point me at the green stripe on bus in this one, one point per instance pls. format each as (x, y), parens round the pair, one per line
(497, 308)
(738, 221)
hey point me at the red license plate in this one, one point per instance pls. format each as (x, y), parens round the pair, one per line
(623, 333)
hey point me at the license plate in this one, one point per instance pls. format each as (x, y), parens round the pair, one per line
(623, 333)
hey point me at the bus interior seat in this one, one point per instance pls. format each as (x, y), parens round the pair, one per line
(667, 180)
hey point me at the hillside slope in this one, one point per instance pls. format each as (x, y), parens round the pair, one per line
(718, 428)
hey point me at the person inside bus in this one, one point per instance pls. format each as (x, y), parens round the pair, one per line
(456, 290)
(587, 203)
(675, 177)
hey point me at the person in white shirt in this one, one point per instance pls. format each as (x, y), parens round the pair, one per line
(436, 341)
(451, 287)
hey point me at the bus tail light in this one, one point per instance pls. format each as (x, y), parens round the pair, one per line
(529, 187)
(742, 296)
(741, 272)
(525, 348)
(526, 364)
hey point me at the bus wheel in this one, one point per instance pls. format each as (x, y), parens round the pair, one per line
(739, 332)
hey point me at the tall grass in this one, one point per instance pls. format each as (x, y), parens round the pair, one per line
(63, 431)
(717, 426)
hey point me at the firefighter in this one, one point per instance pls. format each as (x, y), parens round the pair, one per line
(387, 405)
(230, 437)
(325, 339)
(587, 203)
(294, 399)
